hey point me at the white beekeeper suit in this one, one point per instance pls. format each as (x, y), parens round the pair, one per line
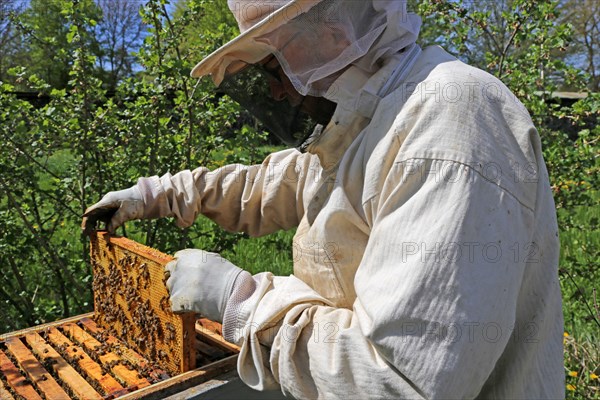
(426, 251)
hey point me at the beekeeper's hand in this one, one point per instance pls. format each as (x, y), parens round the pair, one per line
(114, 209)
(200, 282)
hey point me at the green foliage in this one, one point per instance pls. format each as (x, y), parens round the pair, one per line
(38, 35)
(48, 36)
(60, 158)
(218, 25)
(584, 50)
(515, 40)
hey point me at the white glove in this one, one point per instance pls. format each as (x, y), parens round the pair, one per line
(201, 282)
(114, 209)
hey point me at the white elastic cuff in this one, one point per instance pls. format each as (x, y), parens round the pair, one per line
(243, 288)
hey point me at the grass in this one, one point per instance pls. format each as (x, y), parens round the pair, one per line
(580, 279)
(582, 362)
(580, 269)
(271, 253)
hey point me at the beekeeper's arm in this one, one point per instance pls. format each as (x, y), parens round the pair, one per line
(256, 199)
(436, 294)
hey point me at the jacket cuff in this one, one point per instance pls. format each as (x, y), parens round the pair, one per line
(236, 314)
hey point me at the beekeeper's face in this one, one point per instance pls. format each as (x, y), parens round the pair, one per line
(282, 89)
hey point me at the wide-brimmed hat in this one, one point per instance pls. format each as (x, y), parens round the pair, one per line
(255, 19)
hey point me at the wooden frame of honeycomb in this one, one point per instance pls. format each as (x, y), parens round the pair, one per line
(131, 302)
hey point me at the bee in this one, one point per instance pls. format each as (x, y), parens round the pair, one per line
(165, 303)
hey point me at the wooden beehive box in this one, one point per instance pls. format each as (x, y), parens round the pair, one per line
(99, 356)
(76, 359)
(131, 302)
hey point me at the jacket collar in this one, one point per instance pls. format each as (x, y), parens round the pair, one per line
(354, 112)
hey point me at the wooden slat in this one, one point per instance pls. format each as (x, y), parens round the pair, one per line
(65, 372)
(179, 383)
(92, 369)
(128, 354)
(4, 393)
(87, 379)
(215, 339)
(212, 352)
(35, 371)
(211, 325)
(44, 327)
(108, 359)
(17, 382)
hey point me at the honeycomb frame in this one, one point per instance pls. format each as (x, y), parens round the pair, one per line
(131, 302)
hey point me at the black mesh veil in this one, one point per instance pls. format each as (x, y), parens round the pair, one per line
(312, 48)
(290, 123)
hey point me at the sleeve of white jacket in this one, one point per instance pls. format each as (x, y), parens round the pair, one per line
(253, 199)
(435, 298)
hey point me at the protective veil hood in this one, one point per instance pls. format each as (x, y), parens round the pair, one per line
(314, 41)
(314, 48)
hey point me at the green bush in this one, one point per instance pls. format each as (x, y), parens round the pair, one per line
(59, 158)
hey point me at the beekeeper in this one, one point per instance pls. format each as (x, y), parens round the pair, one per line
(426, 250)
